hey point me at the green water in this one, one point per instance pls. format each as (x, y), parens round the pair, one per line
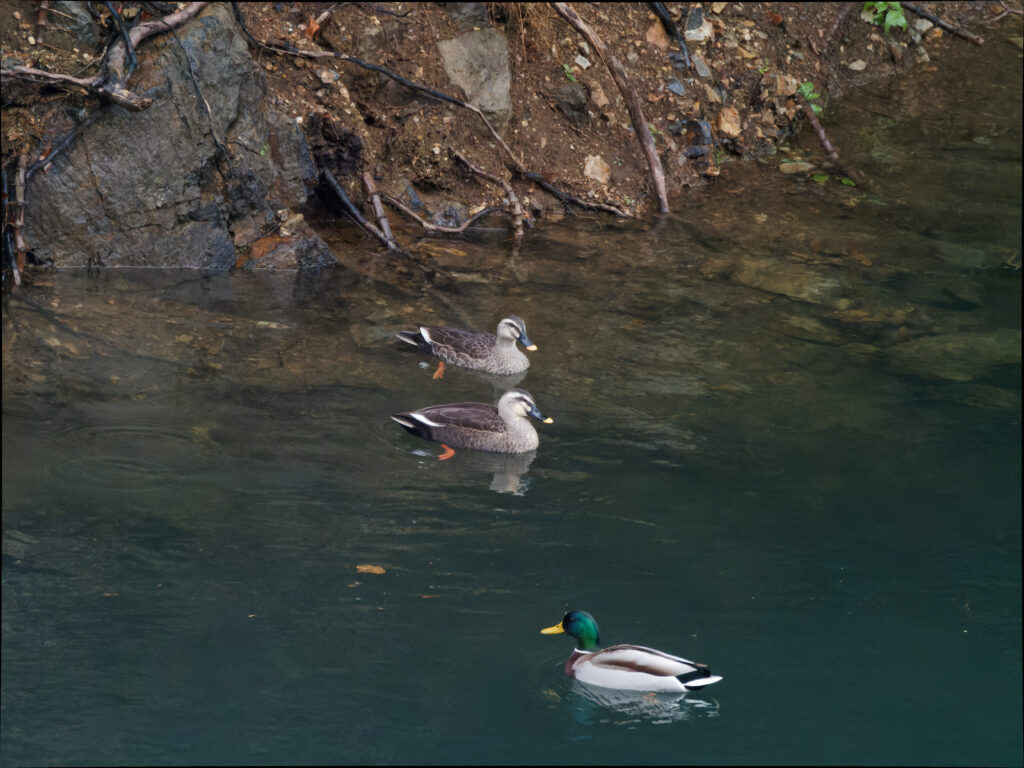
(786, 443)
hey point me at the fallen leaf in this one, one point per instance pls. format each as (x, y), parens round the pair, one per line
(313, 27)
(370, 569)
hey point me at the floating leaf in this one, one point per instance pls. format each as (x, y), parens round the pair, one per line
(370, 569)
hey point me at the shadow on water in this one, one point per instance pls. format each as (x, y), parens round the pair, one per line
(786, 441)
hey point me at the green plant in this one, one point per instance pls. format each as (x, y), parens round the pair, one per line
(821, 178)
(810, 95)
(887, 15)
(568, 71)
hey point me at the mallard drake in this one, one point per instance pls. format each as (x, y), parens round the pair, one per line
(478, 350)
(479, 426)
(626, 667)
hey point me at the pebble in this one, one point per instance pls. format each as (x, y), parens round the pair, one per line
(702, 68)
(677, 88)
(858, 66)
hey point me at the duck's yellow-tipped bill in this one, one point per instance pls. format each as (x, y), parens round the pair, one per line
(549, 420)
(532, 348)
(555, 630)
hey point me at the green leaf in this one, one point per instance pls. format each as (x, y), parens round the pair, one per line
(819, 177)
(847, 181)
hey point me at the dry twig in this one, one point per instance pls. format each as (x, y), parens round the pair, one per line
(953, 28)
(378, 211)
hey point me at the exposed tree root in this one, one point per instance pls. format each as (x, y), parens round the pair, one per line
(518, 214)
(439, 229)
(378, 211)
(350, 208)
(109, 84)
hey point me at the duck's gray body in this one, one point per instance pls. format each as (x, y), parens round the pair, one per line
(478, 350)
(499, 429)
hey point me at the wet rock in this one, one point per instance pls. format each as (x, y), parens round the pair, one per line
(300, 249)
(113, 201)
(677, 88)
(477, 62)
(729, 123)
(594, 167)
(957, 356)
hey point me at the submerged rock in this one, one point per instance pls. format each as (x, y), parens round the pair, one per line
(957, 356)
(788, 279)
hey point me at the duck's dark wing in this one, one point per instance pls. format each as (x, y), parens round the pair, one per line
(457, 346)
(463, 416)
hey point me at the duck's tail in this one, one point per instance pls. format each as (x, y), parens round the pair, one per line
(699, 678)
(415, 338)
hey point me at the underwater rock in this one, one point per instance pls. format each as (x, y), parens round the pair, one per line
(957, 356)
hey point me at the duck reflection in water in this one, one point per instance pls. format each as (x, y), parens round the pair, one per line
(507, 470)
(593, 704)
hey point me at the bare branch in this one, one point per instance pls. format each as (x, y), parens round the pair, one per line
(439, 229)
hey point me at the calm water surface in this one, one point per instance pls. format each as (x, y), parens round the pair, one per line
(786, 443)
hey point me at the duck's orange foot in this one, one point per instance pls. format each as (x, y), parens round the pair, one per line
(448, 453)
(439, 373)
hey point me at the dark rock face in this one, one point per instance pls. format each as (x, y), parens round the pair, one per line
(151, 188)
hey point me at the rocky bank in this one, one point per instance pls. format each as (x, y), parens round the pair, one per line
(222, 169)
